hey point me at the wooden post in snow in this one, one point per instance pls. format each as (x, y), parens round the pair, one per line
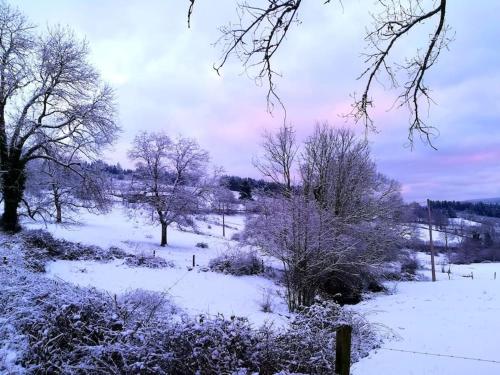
(433, 266)
(343, 350)
(223, 224)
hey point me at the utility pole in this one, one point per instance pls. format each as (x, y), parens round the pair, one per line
(433, 267)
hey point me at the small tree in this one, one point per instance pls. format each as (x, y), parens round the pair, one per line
(334, 232)
(59, 192)
(170, 179)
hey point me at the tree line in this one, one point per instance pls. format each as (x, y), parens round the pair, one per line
(476, 208)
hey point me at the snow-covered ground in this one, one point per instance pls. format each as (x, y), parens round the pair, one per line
(458, 222)
(438, 236)
(197, 291)
(457, 317)
(452, 317)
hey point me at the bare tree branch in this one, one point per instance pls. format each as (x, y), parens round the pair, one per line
(397, 20)
(261, 30)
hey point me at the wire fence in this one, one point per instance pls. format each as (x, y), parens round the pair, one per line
(443, 355)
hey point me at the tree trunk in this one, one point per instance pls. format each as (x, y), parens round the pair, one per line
(57, 204)
(163, 235)
(58, 213)
(13, 180)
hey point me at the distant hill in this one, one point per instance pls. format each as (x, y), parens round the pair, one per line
(485, 200)
(477, 207)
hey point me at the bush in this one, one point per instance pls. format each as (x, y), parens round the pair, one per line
(472, 251)
(237, 262)
(410, 264)
(147, 261)
(54, 327)
(266, 304)
(41, 247)
(66, 328)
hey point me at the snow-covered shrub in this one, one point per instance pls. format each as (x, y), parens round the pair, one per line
(42, 246)
(137, 304)
(308, 345)
(404, 268)
(62, 328)
(213, 346)
(148, 261)
(409, 264)
(202, 245)
(474, 251)
(266, 304)
(55, 327)
(237, 262)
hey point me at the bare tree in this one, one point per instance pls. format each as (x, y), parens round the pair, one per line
(338, 172)
(52, 102)
(262, 27)
(317, 251)
(170, 180)
(293, 230)
(277, 161)
(333, 234)
(54, 191)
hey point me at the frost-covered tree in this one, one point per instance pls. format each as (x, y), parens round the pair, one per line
(52, 104)
(337, 227)
(171, 178)
(54, 191)
(337, 170)
(277, 160)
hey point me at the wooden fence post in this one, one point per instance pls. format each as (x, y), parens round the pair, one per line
(343, 350)
(433, 267)
(194, 260)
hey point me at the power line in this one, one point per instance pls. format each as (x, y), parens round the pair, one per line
(443, 355)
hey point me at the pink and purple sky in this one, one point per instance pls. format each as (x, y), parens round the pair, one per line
(163, 76)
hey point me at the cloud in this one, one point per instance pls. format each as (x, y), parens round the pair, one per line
(164, 79)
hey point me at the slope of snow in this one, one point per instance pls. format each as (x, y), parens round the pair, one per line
(438, 236)
(457, 317)
(195, 291)
(452, 317)
(461, 222)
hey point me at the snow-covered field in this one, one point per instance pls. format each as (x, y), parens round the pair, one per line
(439, 237)
(196, 290)
(457, 317)
(452, 317)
